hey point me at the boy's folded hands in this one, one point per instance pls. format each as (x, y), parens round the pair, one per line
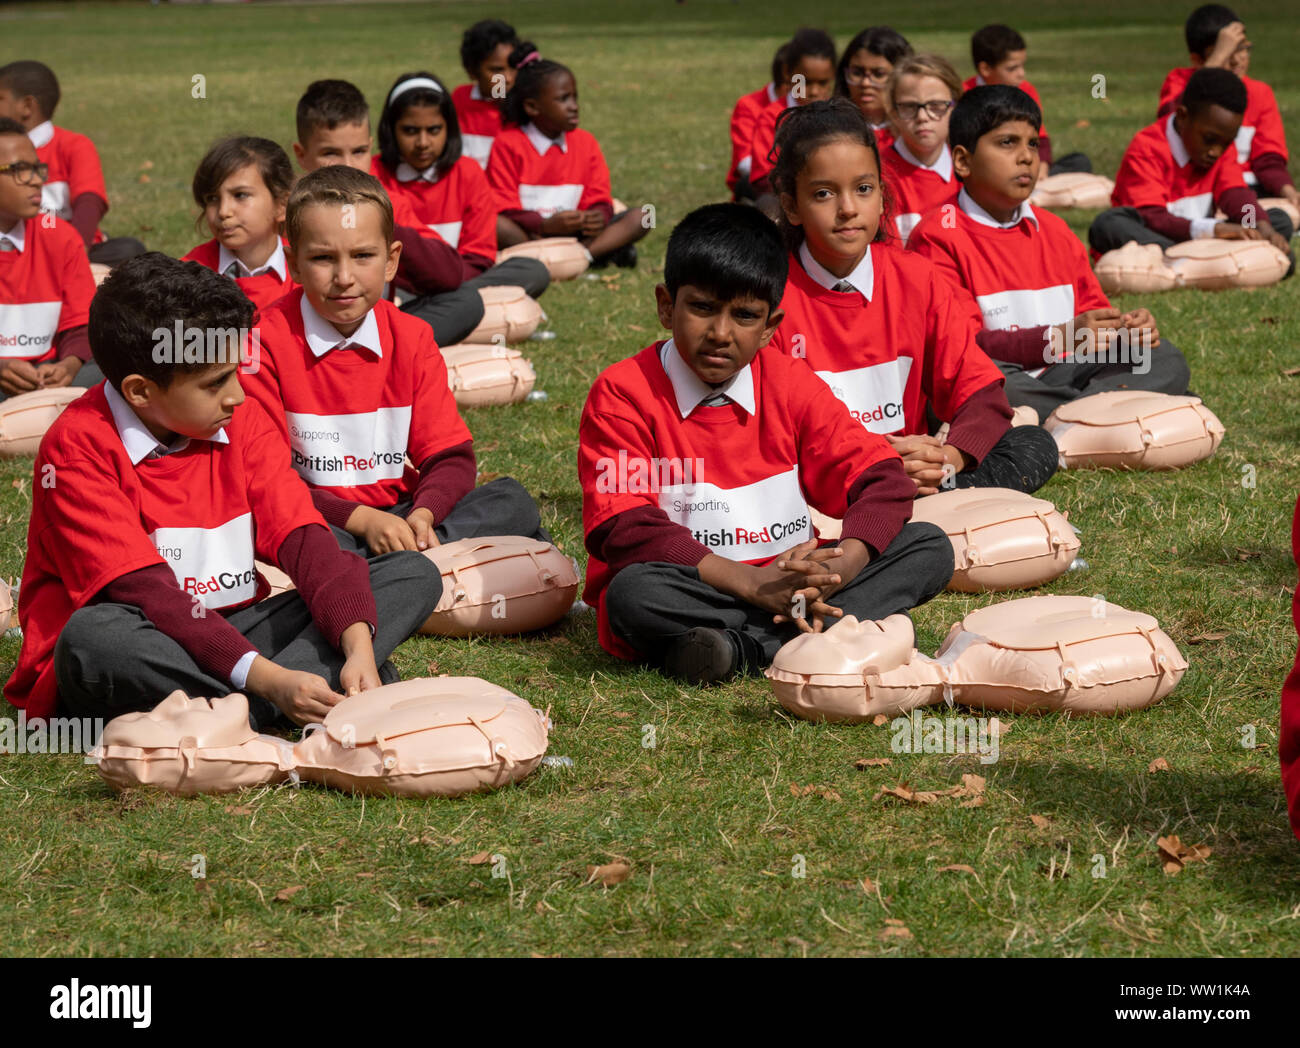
(564, 223)
(305, 698)
(386, 532)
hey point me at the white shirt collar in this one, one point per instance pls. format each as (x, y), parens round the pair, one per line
(1181, 156)
(967, 203)
(979, 80)
(41, 134)
(406, 173)
(771, 93)
(140, 444)
(690, 389)
(276, 263)
(475, 93)
(942, 167)
(17, 236)
(863, 277)
(322, 336)
(541, 143)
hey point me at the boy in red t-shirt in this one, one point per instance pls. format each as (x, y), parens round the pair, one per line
(699, 458)
(140, 575)
(485, 55)
(29, 94)
(358, 387)
(744, 115)
(998, 53)
(1026, 274)
(45, 281)
(1177, 171)
(1217, 39)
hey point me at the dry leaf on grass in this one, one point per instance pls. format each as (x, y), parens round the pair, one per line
(238, 809)
(1205, 638)
(894, 929)
(879, 719)
(1159, 764)
(1041, 821)
(821, 791)
(868, 885)
(1174, 854)
(972, 786)
(477, 859)
(871, 762)
(1291, 372)
(285, 894)
(956, 868)
(1081, 124)
(610, 874)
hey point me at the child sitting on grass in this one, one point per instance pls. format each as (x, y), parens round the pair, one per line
(1026, 273)
(140, 575)
(549, 176)
(699, 458)
(485, 55)
(745, 114)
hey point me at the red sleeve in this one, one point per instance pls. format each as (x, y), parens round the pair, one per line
(76, 283)
(1270, 135)
(1160, 220)
(478, 231)
(72, 342)
(277, 496)
(1271, 173)
(880, 503)
(955, 367)
(643, 535)
(85, 175)
(595, 180)
(981, 420)
(445, 479)
(87, 210)
(742, 133)
(528, 221)
(1143, 178)
(1021, 346)
(212, 642)
(1170, 91)
(611, 423)
(1289, 729)
(1240, 201)
(336, 510)
(436, 424)
(504, 173)
(762, 144)
(334, 584)
(428, 264)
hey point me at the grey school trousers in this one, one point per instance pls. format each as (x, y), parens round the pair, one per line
(110, 659)
(652, 604)
(454, 314)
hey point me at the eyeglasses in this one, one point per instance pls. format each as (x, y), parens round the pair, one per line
(23, 172)
(909, 111)
(856, 74)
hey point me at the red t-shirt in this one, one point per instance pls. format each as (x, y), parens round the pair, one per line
(351, 418)
(457, 207)
(741, 483)
(480, 122)
(74, 171)
(1026, 87)
(205, 512)
(1150, 176)
(913, 343)
(914, 190)
(45, 289)
(1033, 274)
(743, 117)
(263, 290)
(574, 178)
(1261, 127)
(763, 140)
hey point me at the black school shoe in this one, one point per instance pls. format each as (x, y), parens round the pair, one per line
(702, 656)
(624, 258)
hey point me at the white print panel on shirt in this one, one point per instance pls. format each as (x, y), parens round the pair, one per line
(213, 564)
(27, 328)
(750, 522)
(1189, 207)
(341, 451)
(906, 223)
(547, 200)
(873, 395)
(1009, 310)
(1245, 136)
(449, 231)
(477, 148)
(54, 198)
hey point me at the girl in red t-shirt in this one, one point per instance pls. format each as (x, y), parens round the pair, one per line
(864, 71)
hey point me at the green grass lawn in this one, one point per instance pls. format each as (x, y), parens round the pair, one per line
(707, 818)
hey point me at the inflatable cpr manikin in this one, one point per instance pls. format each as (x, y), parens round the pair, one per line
(430, 737)
(500, 584)
(1133, 429)
(1002, 539)
(1075, 655)
(190, 746)
(439, 736)
(1137, 268)
(480, 375)
(509, 315)
(99, 272)
(1268, 204)
(1073, 189)
(6, 606)
(24, 418)
(1212, 265)
(564, 257)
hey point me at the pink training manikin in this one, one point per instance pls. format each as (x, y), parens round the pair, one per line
(441, 736)
(481, 376)
(25, 417)
(1075, 655)
(1209, 264)
(1002, 539)
(1073, 189)
(1134, 429)
(564, 257)
(510, 315)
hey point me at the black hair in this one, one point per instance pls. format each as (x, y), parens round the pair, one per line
(531, 73)
(983, 108)
(881, 40)
(809, 43)
(395, 107)
(1214, 87)
(11, 127)
(728, 250)
(801, 131)
(149, 294)
(228, 155)
(1203, 25)
(993, 43)
(781, 64)
(25, 78)
(481, 39)
(328, 104)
